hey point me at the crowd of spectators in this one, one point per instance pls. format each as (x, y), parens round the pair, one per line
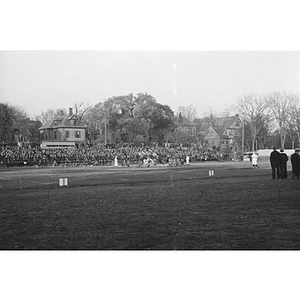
(84, 156)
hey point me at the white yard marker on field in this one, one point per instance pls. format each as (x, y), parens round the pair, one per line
(63, 182)
(211, 173)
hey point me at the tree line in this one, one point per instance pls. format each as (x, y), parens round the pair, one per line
(269, 119)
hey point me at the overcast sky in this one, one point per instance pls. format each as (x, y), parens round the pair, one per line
(208, 80)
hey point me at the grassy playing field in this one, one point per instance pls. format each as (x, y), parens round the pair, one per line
(156, 208)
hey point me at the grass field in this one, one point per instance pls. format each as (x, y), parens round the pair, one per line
(156, 208)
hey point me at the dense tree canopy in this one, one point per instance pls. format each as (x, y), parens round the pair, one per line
(9, 115)
(5, 122)
(130, 119)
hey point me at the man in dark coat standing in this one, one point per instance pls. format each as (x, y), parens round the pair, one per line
(275, 163)
(283, 161)
(295, 160)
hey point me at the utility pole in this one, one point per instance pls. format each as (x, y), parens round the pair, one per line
(105, 129)
(243, 138)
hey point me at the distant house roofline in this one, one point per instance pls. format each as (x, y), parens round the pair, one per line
(63, 122)
(187, 122)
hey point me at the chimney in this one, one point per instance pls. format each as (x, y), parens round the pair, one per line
(70, 111)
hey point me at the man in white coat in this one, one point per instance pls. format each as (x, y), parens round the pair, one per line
(254, 159)
(187, 159)
(116, 161)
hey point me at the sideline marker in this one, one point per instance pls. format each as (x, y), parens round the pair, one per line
(63, 182)
(211, 173)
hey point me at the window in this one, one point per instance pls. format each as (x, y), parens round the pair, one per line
(67, 134)
(237, 124)
(77, 134)
(55, 135)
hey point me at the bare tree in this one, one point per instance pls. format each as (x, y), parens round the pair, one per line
(188, 112)
(254, 110)
(49, 114)
(210, 112)
(227, 111)
(80, 110)
(294, 129)
(95, 121)
(282, 105)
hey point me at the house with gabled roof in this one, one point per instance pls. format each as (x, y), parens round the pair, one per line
(223, 133)
(186, 126)
(64, 130)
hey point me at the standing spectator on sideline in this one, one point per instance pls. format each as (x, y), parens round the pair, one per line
(295, 161)
(283, 161)
(275, 163)
(116, 161)
(254, 159)
(187, 159)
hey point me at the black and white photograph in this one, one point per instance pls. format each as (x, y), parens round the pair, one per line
(150, 150)
(155, 151)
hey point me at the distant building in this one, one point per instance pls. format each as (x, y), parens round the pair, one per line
(25, 131)
(186, 126)
(223, 133)
(63, 131)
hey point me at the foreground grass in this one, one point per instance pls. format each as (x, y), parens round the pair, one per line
(149, 209)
